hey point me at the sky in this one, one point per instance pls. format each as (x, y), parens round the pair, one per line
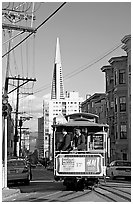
(87, 31)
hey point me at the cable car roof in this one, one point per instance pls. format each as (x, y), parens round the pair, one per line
(83, 114)
(80, 124)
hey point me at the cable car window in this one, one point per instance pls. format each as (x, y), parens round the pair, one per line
(98, 141)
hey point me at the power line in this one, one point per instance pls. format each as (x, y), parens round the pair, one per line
(73, 74)
(13, 37)
(95, 61)
(36, 28)
(79, 70)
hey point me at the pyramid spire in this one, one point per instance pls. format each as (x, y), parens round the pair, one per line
(57, 53)
(57, 91)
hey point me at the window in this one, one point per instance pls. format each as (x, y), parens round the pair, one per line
(129, 68)
(107, 79)
(93, 104)
(115, 104)
(123, 132)
(115, 81)
(122, 77)
(122, 104)
(112, 104)
(88, 107)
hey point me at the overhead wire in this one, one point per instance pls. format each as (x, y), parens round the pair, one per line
(80, 69)
(21, 53)
(13, 37)
(15, 63)
(36, 9)
(33, 61)
(94, 62)
(50, 16)
(4, 37)
(28, 7)
(20, 5)
(46, 86)
(72, 73)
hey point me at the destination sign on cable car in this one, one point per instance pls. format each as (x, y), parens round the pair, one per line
(98, 141)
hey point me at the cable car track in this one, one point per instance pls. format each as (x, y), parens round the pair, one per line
(106, 192)
(118, 188)
(115, 192)
(96, 194)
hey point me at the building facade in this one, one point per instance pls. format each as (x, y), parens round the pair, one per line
(61, 107)
(127, 47)
(96, 104)
(40, 141)
(57, 91)
(43, 136)
(117, 104)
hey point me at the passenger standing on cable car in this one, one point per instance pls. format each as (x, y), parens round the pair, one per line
(64, 143)
(79, 140)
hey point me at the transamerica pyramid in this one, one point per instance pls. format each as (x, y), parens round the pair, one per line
(57, 91)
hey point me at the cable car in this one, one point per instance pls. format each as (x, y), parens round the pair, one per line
(81, 168)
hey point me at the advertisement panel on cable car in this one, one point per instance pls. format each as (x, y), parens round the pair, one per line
(82, 164)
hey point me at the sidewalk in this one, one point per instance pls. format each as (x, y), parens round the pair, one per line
(7, 192)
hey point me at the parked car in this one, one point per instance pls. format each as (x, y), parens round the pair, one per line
(119, 168)
(18, 170)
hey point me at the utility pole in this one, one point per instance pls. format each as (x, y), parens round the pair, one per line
(20, 125)
(5, 98)
(17, 106)
(13, 16)
(16, 121)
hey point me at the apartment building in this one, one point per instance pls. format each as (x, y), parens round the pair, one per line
(117, 104)
(127, 48)
(96, 104)
(40, 141)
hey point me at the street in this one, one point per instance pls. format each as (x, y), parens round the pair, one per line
(43, 188)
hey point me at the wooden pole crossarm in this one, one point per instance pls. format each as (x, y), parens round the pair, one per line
(26, 78)
(18, 27)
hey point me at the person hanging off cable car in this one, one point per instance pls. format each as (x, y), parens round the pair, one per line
(64, 141)
(79, 141)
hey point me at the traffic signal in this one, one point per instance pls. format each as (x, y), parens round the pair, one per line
(5, 106)
(5, 110)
